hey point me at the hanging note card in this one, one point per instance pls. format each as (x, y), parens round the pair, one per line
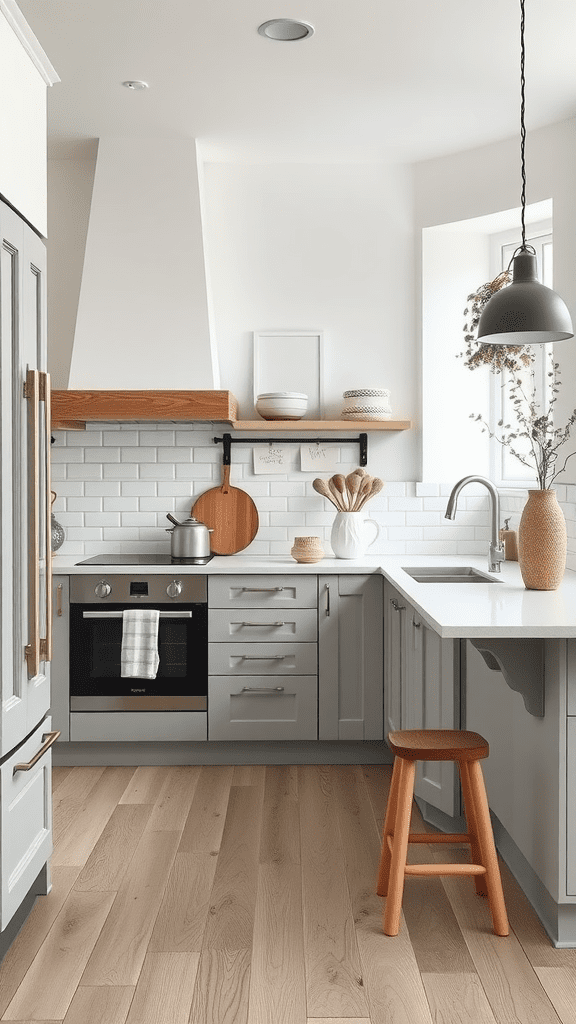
(318, 458)
(272, 458)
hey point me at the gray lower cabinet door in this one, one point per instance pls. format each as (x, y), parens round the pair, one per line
(262, 708)
(394, 657)
(431, 700)
(350, 669)
(60, 670)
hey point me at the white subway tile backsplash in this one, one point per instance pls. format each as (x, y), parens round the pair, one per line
(116, 483)
(106, 488)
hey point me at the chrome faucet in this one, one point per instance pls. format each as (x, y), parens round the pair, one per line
(496, 555)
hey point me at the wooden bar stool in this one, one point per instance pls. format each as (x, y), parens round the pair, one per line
(467, 749)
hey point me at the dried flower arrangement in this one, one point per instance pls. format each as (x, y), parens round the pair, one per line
(497, 357)
(543, 437)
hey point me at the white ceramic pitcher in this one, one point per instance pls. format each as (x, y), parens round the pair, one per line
(349, 534)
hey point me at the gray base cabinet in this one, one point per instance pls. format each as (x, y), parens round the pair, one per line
(422, 691)
(350, 691)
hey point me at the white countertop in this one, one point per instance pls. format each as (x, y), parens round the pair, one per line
(502, 609)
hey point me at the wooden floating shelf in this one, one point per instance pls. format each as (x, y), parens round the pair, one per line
(71, 410)
(308, 425)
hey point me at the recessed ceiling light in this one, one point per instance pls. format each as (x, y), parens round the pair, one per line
(134, 84)
(285, 29)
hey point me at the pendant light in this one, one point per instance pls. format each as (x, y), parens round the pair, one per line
(525, 312)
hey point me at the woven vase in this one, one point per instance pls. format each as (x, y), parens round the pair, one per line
(542, 541)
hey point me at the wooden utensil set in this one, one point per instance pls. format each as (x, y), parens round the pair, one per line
(349, 493)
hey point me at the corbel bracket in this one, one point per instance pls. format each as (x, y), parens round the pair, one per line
(521, 662)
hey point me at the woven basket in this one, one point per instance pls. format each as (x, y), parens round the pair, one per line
(542, 541)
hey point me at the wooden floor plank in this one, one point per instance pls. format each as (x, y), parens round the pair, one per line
(338, 1020)
(222, 987)
(29, 939)
(49, 986)
(334, 983)
(70, 796)
(183, 913)
(230, 920)
(172, 805)
(277, 978)
(203, 829)
(280, 831)
(559, 983)
(393, 983)
(59, 773)
(119, 953)
(146, 785)
(103, 1004)
(89, 821)
(249, 775)
(164, 991)
(112, 854)
(528, 928)
(457, 998)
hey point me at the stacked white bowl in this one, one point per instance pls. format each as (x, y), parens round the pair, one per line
(281, 405)
(367, 404)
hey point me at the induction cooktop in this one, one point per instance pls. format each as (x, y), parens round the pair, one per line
(141, 559)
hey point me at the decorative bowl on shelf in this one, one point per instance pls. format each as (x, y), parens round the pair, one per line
(282, 405)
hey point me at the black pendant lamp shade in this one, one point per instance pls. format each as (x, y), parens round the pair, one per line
(524, 312)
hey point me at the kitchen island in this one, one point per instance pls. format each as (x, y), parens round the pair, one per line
(514, 654)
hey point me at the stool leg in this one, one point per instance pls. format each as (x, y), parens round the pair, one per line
(488, 850)
(388, 830)
(475, 852)
(399, 847)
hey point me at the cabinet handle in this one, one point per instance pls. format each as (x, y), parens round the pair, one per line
(416, 624)
(47, 740)
(397, 607)
(262, 689)
(260, 590)
(257, 623)
(36, 390)
(327, 589)
(260, 657)
(59, 600)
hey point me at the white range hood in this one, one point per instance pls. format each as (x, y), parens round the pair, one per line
(143, 317)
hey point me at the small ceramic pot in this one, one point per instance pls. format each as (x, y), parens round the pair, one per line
(307, 549)
(349, 535)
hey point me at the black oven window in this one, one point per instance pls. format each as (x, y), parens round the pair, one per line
(106, 643)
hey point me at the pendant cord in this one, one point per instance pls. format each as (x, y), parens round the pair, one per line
(522, 125)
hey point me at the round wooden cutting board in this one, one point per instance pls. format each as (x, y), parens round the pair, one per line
(230, 513)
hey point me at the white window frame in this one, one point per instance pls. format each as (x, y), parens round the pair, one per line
(502, 246)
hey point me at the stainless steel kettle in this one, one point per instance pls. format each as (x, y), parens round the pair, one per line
(190, 539)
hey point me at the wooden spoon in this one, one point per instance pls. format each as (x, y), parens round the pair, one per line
(365, 485)
(340, 485)
(337, 495)
(353, 482)
(322, 487)
(377, 486)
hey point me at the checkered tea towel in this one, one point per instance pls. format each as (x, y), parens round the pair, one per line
(139, 655)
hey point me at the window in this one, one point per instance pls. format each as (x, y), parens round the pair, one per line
(505, 469)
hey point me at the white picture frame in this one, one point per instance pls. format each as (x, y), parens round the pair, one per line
(291, 360)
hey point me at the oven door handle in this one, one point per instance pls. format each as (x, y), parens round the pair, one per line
(118, 615)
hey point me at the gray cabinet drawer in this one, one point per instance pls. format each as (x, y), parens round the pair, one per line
(262, 591)
(263, 708)
(299, 625)
(240, 659)
(151, 726)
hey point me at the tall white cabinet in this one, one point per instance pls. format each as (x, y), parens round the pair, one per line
(25, 595)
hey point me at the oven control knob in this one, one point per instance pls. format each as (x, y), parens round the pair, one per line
(174, 589)
(102, 589)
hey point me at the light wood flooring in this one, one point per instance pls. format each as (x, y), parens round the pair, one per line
(246, 895)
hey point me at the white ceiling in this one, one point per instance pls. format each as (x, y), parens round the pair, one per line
(390, 80)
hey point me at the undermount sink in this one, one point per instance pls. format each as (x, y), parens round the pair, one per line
(448, 574)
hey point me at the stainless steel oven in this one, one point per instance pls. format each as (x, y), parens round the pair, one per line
(96, 623)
